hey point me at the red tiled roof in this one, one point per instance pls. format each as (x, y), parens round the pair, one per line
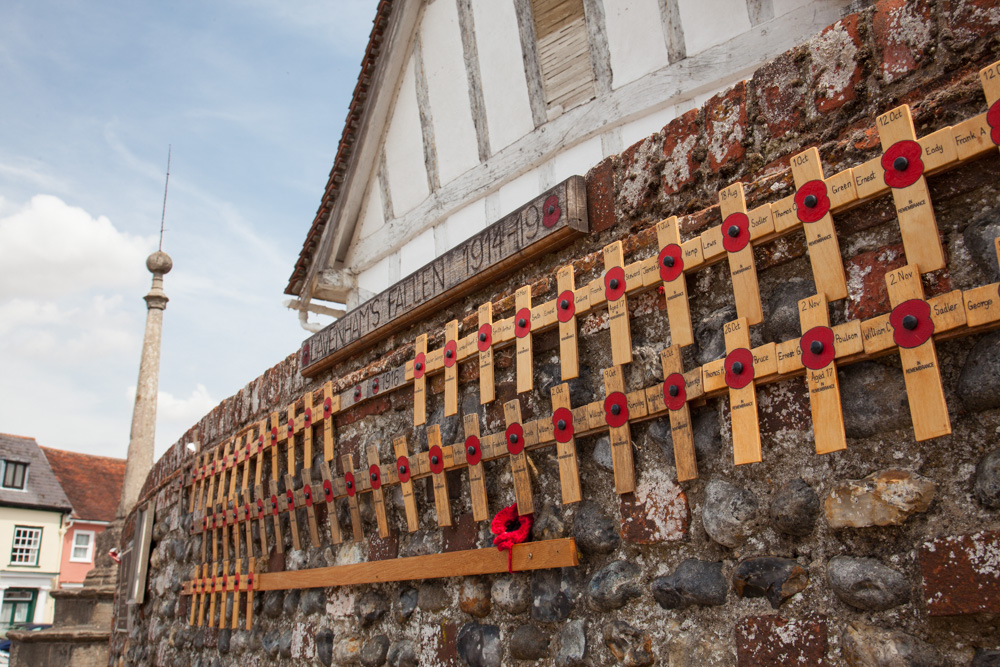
(344, 151)
(93, 484)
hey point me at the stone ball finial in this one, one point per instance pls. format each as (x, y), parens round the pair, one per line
(159, 262)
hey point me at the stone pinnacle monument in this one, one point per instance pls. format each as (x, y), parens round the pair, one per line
(140, 444)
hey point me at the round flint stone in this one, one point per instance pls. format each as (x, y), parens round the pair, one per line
(529, 643)
(614, 585)
(795, 508)
(693, 582)
(594, 531)
(866, 583)
(979, 382)
(986, 487)
(728, 513)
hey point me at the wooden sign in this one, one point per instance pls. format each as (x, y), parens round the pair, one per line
(818, 351)
(812, 206)
(913, 332)
(563, 429)
(670, 263)
(739, 377)
(484, 343)
(477, 473)
(903, 172)
(616, 416)
(614, 294)
(675, 399)
(736, 242)
(550, 221)
(566, 314)
(524, 351)
(516, 440)
(404, 471)
(437, 456)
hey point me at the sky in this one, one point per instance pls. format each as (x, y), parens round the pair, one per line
(252, 96)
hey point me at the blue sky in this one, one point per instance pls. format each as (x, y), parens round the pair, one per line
(252, 96)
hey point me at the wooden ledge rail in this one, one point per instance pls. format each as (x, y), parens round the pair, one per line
(542, 555)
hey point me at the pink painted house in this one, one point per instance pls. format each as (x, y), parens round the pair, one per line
(93, 485)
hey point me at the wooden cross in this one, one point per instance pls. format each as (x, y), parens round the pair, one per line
(331, 405)
(523, 345)
(350, 484)
(484, 343)
(307, 457)
(736, 241)
(670, 263)
(279, 540)
(439, 459)
(818, 351)
(208, 533)
(813, 201)
(293, 518)
(614, 293)
(563, 432)
(203, 503)
(677, 391)
(218, 534)
(739, 377)
(904, 174)
(474, 460)
(404, 472)
(451, 368)
(232, 502)
(517, 440)
(258, 489)
(569, 361)
(420, 380)
(243, 515)
(616, 416)
(375, 478)
(913, 332)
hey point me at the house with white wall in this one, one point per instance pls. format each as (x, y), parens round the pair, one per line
(466, 109)
(33, 512)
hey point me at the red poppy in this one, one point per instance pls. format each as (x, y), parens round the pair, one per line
(485, 337)
(993, 119)
(819, 200)
(551, 211)
(306, 357)
(902, 164)
(515, 439)
(403, 468)
(328, 490)
(565, 312)
(290, 495)
(616, 409)
(739, 376)
(375, 475)
(510, 529)
(735, 232)
(817, 348)
(349, 483)
(327, 407)
(450, 353)
(419, 366)
(436, 456)
(522, 322)
(671, 262)
(911, 323)
(614, 283)
(677, 401)
(562, 424)
(473, 450)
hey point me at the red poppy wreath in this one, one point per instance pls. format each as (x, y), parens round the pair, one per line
(510, 529)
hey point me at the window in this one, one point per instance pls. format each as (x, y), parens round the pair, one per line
(563, 52)
(18, 606)
(15, 474)
(83, 546)
(26, 543)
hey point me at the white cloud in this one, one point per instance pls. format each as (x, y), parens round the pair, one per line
(50, 249)
(175, 415)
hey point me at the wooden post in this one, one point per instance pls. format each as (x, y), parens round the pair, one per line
(736, 241)
(675, 398)
(437, 456)
(293, 519)
(279, 540)
(331, 405)
(404, 470)
(516, 441)
(451, 368)
(474, 461)
(913, 332)
(904, 173)
(818, 348)
(378, 499)
(347, 461)
(739, 377)
(307, 458)
(484, 341)
(522, 330)
(420, 380)
(614, 293)
(569, 360)
(563, 431)
(670, 263)
(813, 201)
(616, 416)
